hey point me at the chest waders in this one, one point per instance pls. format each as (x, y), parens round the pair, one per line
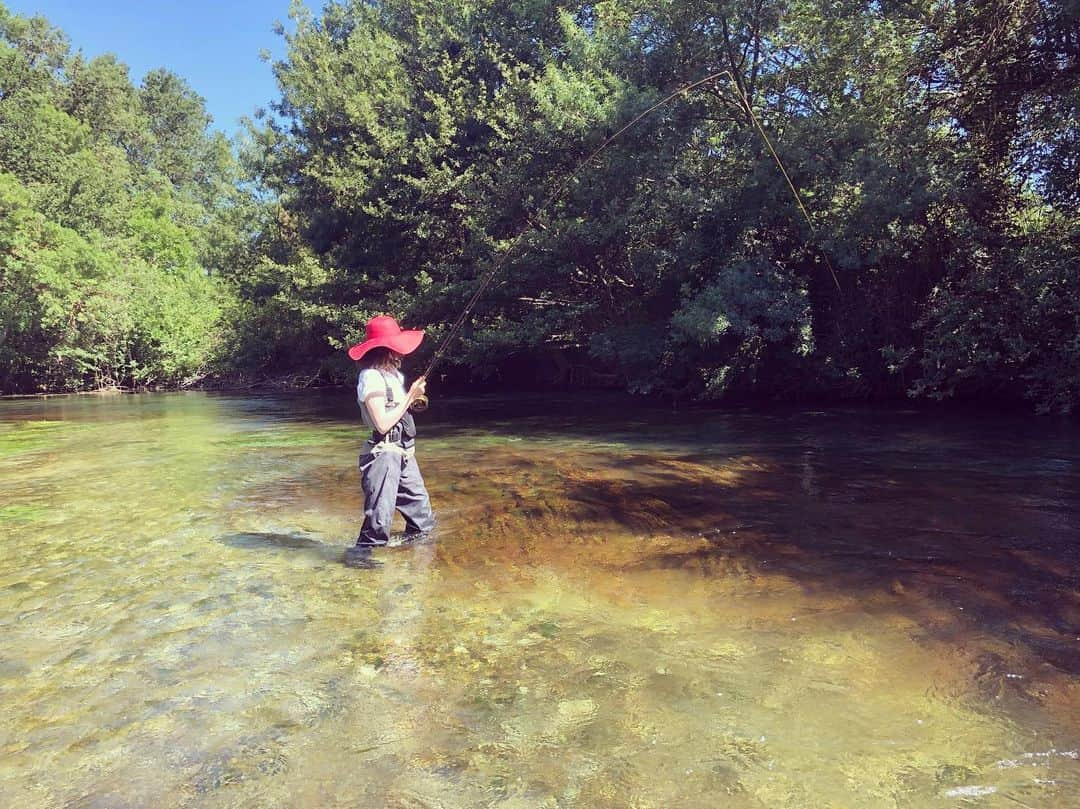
(392, 482)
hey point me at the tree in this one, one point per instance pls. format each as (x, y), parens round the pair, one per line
(109, 225)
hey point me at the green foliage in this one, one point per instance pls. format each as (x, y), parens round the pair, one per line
(110, 202)
(1011, 323)
(417, 143)
(81, 312)
(747, 312)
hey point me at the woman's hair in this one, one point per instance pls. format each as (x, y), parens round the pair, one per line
(381, 359)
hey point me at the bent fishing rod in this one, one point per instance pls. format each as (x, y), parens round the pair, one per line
(421, 403)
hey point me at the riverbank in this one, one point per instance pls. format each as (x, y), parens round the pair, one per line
(238, 384)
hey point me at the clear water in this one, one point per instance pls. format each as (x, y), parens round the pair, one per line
(623, 608)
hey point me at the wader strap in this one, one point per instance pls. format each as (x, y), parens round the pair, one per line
(381, 439)
(395, 436)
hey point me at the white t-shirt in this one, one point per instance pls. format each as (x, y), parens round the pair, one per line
(371, 379)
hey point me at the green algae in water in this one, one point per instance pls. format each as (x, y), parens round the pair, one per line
(548, 629)
(21, 513)
(281, 440)
(30, 436)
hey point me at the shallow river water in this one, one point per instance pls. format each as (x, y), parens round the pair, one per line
(622, 608)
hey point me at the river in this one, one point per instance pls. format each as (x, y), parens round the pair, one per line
(623, 607)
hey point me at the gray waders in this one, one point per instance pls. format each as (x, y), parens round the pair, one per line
(391, 482)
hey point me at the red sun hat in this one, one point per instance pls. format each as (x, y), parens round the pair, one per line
(384, 332)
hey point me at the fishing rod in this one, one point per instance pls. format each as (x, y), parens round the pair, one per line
(421, 403)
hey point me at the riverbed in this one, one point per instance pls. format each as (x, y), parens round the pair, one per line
(623, 606)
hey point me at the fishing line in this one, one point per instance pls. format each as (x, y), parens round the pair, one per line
(780, 164)
(501, 260)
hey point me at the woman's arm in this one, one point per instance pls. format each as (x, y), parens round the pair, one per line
(385, 419)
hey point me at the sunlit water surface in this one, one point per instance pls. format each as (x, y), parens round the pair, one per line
(622, 608)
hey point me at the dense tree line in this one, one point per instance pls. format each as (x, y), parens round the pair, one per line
(118, 207)
(935, 144)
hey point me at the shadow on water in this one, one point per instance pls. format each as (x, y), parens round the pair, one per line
(961, 558)
(298, 545)
(283, 543)
(943, 517)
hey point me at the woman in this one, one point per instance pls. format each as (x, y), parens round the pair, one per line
(389, 475)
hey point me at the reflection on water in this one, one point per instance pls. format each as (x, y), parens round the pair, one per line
(777, 609)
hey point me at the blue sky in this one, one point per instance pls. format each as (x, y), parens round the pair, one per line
(213, 45)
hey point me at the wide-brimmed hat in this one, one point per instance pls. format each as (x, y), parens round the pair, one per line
(384, 332)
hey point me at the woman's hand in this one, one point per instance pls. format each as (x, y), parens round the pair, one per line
(418, 389)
